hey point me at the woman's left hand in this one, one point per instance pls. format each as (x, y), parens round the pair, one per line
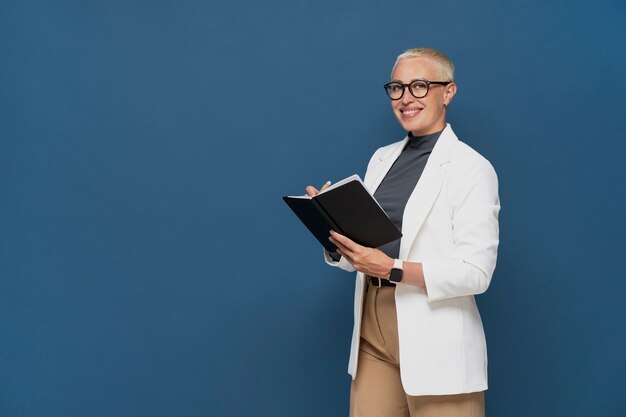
(370, 261)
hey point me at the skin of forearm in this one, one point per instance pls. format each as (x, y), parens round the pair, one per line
(373, 262)
(413, 274)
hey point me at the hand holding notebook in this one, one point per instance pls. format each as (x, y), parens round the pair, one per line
(345, 207)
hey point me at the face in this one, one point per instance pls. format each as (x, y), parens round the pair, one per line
(425, 115)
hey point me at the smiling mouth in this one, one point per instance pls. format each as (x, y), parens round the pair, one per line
(408, 113)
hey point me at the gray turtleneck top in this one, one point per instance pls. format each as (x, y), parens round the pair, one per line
(396, 188)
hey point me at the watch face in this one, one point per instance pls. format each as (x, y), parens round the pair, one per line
(396, 275)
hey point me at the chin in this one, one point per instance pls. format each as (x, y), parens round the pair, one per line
(409, 127)
(414, 128)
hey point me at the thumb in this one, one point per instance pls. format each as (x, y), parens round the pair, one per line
(312, 191)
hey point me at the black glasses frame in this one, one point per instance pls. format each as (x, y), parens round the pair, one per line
(408, 86)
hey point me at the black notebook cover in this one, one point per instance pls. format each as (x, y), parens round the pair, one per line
(348, 209)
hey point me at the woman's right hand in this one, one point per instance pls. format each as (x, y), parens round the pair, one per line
(312, 191)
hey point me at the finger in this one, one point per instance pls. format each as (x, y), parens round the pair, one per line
(325, 186)
(345, 241)
(348, 258)
(312, 191)
(343, 248)
(338, 243)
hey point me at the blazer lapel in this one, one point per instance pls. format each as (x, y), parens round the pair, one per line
(427, 189)
(384, 164)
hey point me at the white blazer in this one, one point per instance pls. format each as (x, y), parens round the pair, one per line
(450, 225)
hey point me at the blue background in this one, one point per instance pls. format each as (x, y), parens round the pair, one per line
(150, 268)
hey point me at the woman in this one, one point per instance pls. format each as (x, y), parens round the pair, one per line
(418, 346)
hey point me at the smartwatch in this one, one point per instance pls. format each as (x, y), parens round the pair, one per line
(396, 271)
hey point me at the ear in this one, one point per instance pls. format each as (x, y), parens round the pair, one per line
(449, 93)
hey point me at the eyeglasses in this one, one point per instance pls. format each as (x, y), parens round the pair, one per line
(418, 88)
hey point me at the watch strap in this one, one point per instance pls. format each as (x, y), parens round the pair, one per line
(397, 264)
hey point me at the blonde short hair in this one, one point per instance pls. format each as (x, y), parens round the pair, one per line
(444, 65)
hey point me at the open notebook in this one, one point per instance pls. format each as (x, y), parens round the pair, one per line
(348, 208)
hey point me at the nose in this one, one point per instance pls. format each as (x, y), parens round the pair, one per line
(407, 97)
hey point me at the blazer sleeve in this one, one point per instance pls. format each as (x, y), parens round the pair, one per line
(342, 263)
(475, 206)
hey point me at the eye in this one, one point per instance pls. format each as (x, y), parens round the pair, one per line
(419, 85)
(395, 88)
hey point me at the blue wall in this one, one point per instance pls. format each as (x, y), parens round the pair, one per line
(148, 266)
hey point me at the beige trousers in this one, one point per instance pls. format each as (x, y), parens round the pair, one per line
(377, 390)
